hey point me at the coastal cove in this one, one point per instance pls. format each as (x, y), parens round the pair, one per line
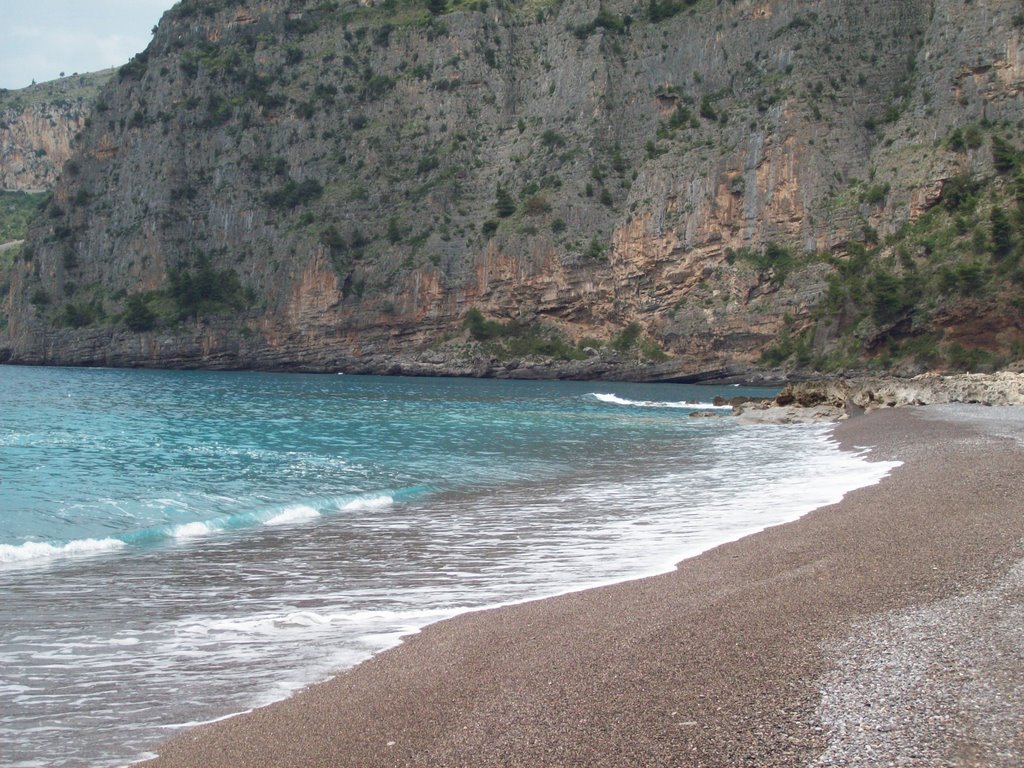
(181, 546)
(504, 384)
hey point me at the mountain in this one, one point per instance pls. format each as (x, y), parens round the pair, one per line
(536, 188)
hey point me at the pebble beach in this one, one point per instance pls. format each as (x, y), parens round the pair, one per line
(883, 630)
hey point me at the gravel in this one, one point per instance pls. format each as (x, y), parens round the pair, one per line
(940, 685)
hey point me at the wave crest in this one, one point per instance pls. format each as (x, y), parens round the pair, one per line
(37, 550)
(616, 400)
(368, 502)
(295, 514)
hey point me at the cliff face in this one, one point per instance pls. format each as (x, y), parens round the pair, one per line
(320, 185)
(37, 127)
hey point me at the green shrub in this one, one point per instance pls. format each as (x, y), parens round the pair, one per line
(682, 117)
(518, 339)
(504, 204)
(333, 239)
(971, 276)
(294, 194)
(651, 351)
(659, 10)
(959, 192)
(1004, 157)
(80, 315)
(394, 231)
(707, 109)
(875, 194)
(427, 164)
(552, 139)
(137, 314)
(968, 137)
(17, 211)
(480, 328)
(627, 337)
(609, 21)
(135, 69)
(594, 251)
(1001, 233)
(967, 278)
(772, 257)
(536, 205)
(776, 354)
(203, 290)
(377, 86)
(892, 298)
(972, 136)
(968, 359)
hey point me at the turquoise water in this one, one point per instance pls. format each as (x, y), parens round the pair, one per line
(179, 546)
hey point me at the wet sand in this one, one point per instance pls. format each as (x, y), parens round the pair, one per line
(886, 626)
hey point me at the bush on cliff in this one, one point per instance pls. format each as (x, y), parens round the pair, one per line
(480, 328)
(80, 315)
(203, 290)
(519, 339)
(137, 314)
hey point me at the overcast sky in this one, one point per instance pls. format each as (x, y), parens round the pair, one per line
(39, 39)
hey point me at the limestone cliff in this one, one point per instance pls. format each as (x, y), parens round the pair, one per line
(38, 125)
(327, 185)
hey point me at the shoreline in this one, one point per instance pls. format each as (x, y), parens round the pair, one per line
(715, 663)
(616, 369)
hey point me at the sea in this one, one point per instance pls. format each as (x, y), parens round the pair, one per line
(180, 546)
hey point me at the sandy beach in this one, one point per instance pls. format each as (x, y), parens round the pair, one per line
(886, 629)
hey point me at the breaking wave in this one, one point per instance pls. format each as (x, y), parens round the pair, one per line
(616, 400)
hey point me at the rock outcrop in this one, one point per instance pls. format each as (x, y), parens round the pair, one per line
(323, 185)
(833, 400)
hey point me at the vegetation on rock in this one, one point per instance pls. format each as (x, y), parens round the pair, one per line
(17, 209)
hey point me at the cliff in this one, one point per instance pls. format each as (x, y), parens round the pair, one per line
(543, 188)
(38, 125)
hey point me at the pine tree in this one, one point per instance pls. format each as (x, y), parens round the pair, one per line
(1001, 233)
(504, 205)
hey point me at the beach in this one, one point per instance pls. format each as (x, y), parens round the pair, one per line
(885, 629)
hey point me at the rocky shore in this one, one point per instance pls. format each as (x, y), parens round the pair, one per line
(839, 399)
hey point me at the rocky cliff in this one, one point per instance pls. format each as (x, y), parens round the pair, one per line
(38, 125)
(487, 187)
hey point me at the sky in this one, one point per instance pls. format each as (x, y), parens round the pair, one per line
(39, 39)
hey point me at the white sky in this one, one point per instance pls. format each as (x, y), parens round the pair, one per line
(39, 39)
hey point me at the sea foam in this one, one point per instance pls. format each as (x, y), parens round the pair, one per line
(369, 502)
(296, 514)
(35, 550)
(191, 530)
(616, 400)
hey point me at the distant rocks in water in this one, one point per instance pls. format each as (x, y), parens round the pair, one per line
(835, 400)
